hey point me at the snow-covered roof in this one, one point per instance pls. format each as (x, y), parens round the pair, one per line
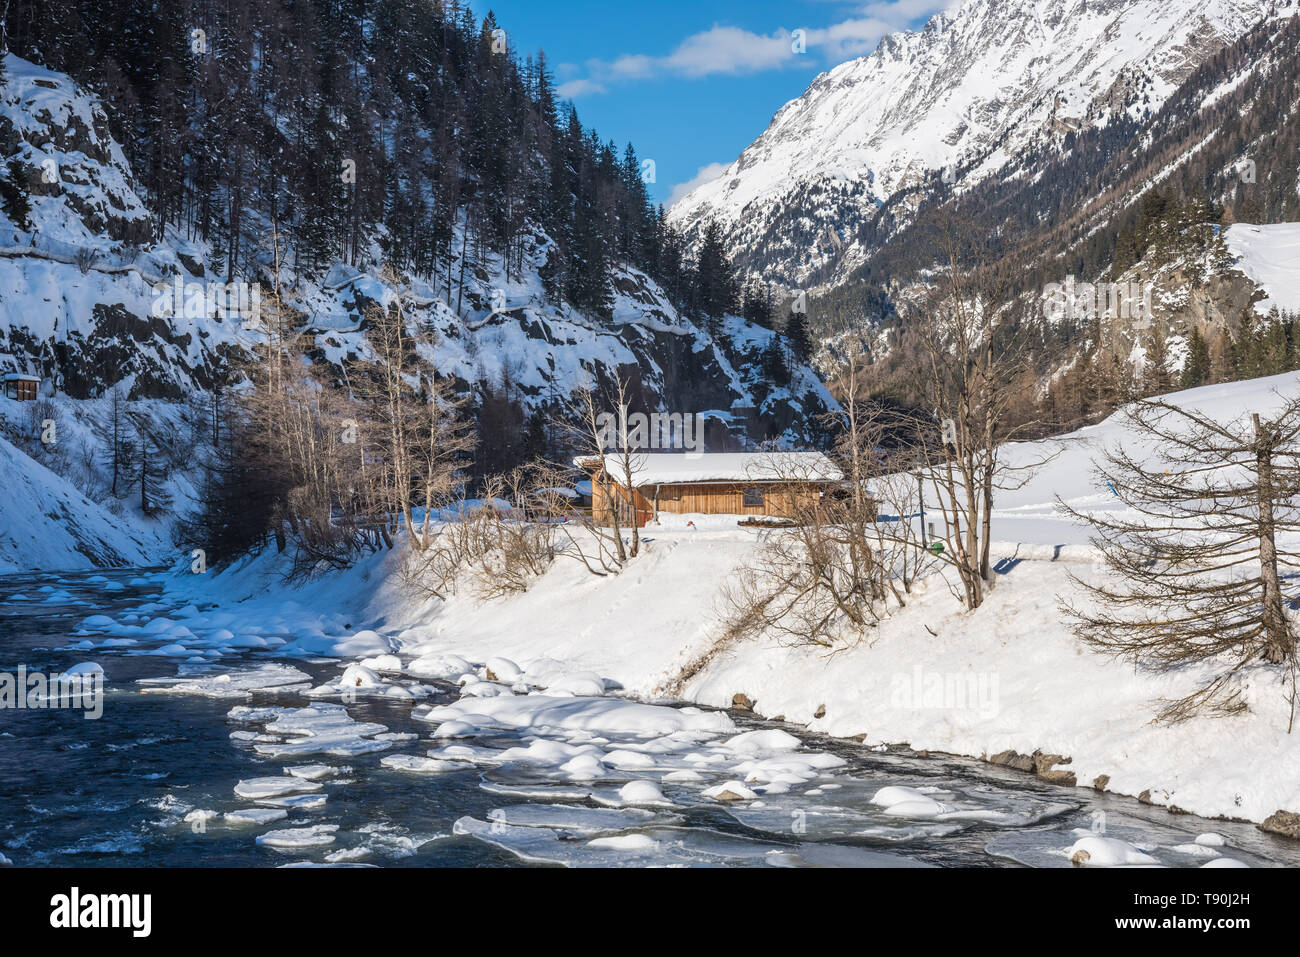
(557, 490)
(21, 377)
(681, 468)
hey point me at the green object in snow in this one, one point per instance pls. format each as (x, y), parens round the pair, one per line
(936, 547)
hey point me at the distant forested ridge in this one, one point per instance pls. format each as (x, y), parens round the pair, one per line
(362, 131)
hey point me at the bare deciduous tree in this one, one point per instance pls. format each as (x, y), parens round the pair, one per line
(1197, 550)
(831, 571)
(418, 436)
(614, 474)
(973, 355)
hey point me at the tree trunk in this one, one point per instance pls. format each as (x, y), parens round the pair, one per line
(1275, 627)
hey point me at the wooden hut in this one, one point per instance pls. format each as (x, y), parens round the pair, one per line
(771, 484)
(24, 388)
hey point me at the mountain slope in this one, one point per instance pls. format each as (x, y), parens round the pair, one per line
(966, 94)
(80, 281)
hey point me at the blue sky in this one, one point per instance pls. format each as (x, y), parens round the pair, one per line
(691, 83)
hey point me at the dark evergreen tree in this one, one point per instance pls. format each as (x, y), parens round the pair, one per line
(798, 336)
(148, 469)
(14, 195)
(1196, 367)
(715, 284)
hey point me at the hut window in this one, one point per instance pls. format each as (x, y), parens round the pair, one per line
(753, 498)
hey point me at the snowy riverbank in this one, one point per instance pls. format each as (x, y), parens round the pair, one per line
(1009, 678)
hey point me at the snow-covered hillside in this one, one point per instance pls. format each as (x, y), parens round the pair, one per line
(78, 290)
(1269, 255)
(1008, 677)
(971, 90)
(47, 523)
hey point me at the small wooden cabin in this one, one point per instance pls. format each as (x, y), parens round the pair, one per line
(24, 388)
(710, 483)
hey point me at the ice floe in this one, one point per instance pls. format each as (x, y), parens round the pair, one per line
(255, 789)
(319, 729)
(299, 838)
(232, 684)
(419, 765)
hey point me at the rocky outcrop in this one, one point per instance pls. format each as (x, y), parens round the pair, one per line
(1286, 823)
(1043, 766)
(1012, 759)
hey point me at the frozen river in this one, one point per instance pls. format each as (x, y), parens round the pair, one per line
(213, 755)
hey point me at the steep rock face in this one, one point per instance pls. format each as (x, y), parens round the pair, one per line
(79, 297)
(77, 175)
(963, 95)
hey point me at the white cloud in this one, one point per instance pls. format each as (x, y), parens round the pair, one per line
(908, 10)
(580, 87)
(705, 174)
(735, 51)
(729, 50)
(849, 38)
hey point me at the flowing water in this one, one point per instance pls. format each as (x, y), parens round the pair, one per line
(122, 790)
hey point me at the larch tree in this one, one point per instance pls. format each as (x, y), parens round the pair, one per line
(1200, 551)
(116, 434)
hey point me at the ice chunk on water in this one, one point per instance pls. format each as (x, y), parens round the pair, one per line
(255, 815)
(576, 819)
(258, 788)
(315, 772)
(234, 684)
(419, 765)
(319, 729)
(1195, 850)
(346, 855)
(729, 791)
(295, 802)
(837, 855)
(455, 729)
(299, 838)
(1097, 851)
(537, 792)
(643, 793)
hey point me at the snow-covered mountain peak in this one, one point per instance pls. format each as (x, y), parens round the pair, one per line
(967, 92)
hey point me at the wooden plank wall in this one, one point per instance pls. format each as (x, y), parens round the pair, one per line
(707, 499)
